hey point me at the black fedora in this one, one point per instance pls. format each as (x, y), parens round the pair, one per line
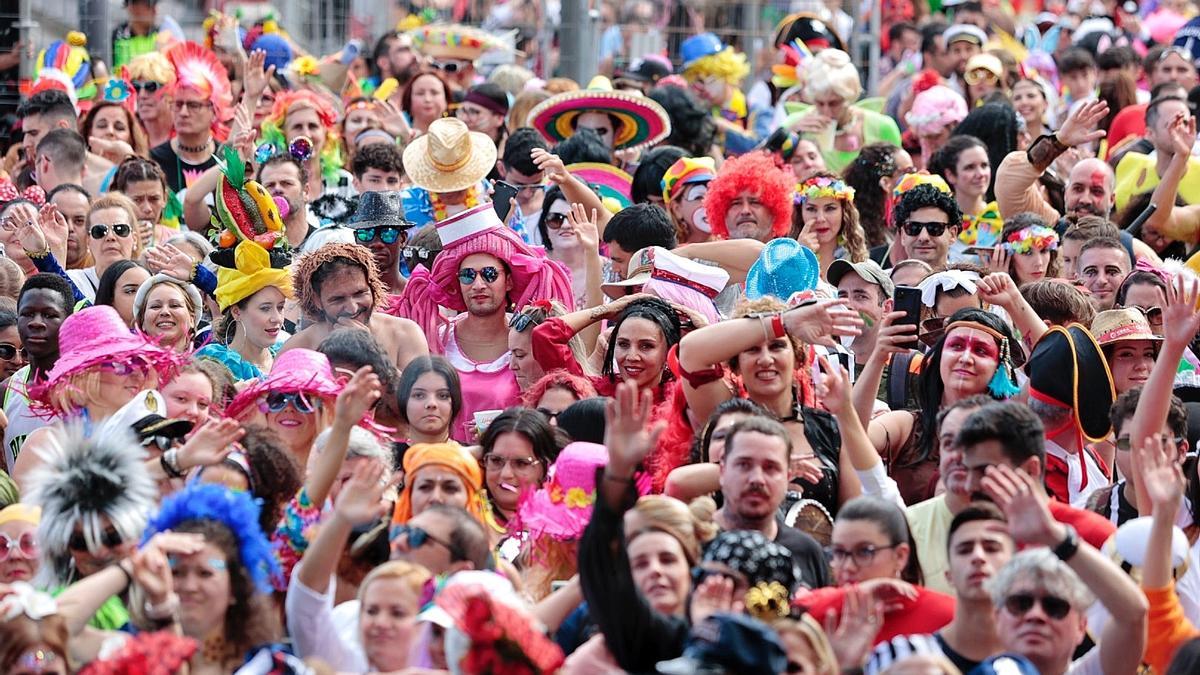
(379, 209)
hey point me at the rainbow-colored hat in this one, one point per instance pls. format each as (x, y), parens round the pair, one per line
(642, 121)
(607, 180)
(684, 171)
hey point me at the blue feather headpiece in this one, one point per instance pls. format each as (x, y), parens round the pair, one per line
(237, 511)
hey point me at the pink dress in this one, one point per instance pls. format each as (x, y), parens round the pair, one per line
(485, 386)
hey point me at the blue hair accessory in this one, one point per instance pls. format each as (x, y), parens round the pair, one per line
(237, 511)
(1003, 384)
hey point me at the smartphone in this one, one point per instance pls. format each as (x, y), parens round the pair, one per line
(907, 299)
(502, 195)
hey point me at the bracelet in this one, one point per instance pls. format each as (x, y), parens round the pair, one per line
(169, 465)
(164, 611)
(127, 573)
(762, 321)
(37, 255)
(777, 325)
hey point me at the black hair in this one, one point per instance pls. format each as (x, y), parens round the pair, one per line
(891, 520)
(518, 150)
(53, 103)
(1186, 660)
(1125, 405)
(930, 33)
(1117, 56)
(1155, 104)
(8, 313)
(50, 282)
(736, 405)
(554, 194)
(69, 187)
(493, 92)
(106, 289)
(929, 383)
(547, 442)
(359, 348)
(468, 539)
(384, 157)
(284, 158)
(899, 28)
(583, 420)
(274, 475)
(768, 426)
(974, 513)
(692, 126)
(647, 178)
(1017, 429)
(658, 312)
(996, 125)
(583, 146)
(65, 148)
(418, 367)
(945, 159)
(642, 225)
(1074, 60)
(922, 196)
(136, 169)
(382, 46)
(863, 174)
(1136, 277)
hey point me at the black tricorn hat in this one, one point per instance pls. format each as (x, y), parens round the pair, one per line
(1067, 367)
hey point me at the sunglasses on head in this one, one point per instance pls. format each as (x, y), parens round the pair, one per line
(418, 537)
(913, 228)
(467, 275)
(520, 322)
(146, 86)
(26, 544)
(555, 220)
(275, 402)
(8, 352)
(110, 538)
(101, 231)
(386, 234)
(1019, 604)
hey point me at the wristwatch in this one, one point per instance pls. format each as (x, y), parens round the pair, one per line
(1068, 546)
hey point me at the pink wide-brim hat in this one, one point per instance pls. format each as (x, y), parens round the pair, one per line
(562, 507)
(296, 370)
(97, 335)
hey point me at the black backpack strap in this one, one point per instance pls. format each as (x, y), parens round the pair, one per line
(897, 387)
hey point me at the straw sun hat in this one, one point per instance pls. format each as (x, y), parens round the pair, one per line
(449, 157)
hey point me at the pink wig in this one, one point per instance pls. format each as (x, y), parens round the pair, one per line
(197, 68)
(756, 173)
(935, 109)
(534, 277)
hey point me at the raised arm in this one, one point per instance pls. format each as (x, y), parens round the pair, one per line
(1176, 222)
(735, 256)
(891, 339)
(588, 230)
(575, 190)
(999, 289)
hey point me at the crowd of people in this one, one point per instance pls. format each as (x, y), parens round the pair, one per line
(409, 361)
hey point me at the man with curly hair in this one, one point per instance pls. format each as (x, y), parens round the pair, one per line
(751, 198)
(339, 286)
(927, 220)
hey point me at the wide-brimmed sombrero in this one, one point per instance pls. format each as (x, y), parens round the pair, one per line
(607, 180)
(643, 122)
(455, 41)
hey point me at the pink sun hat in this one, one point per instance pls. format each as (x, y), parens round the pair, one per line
(296, 370)
(96, 336)
(562, 507)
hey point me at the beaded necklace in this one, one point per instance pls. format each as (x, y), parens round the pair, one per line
(439, 207)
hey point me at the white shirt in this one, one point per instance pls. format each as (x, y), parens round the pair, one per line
(318, 629)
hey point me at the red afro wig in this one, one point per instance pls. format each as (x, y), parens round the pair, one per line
(760, 174)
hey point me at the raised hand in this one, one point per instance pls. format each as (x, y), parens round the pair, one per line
(1025, 504)
(585, 227)
(890, 592)
(852, 636)
(1183, 134)
(628, 433)
(555, 171)
(714, 595)
(1083, 125)
(393, 121)
(210, 444)
(833, 391)
(822, 321)
(167, 259)
(151, 566)
(361, 499)
(1181, 316)
(255, 79)
(1160, 467)
(998, 288)
(359, 395)
(110, 148)
(892, 337)
(31, 236)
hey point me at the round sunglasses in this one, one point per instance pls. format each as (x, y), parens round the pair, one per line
(467, 275)
(276, 402)
(101, 231)
(388, 234)
(26, 544)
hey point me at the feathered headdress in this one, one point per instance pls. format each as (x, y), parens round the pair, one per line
(197, 68)
(237, 511)
(87, 477)
(245, 212)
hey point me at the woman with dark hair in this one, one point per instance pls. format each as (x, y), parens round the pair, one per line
(428, 400)
(119, 285)
(647, 178)
(996, 124)
(426, 98)
(564, 242)
(976, 354)
(873, 175)
(113, 132)
(518, 447)
(873, 550)
(963, 161)
(692, 128)
(1145, 290)
(11, 358)
(644, 329)
(1027, 250)
(583, 420)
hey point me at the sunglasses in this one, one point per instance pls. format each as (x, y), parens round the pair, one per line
(555, 220)
(979, 75)
(1154, 315)
(417, 252)
(275, 402)
(418, 537)
(26, 544)
(101, 231)
(466, 275)
(109, 539)
(913, 228)
(494, 463)
(8, 352)
(1019, 604)
(146, 86)
(387, 234)
(126, 368)
(550, 414)
(520, 322)
(450, 66)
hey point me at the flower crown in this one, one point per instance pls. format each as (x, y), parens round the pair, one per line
(821, 187)
(1030, 238)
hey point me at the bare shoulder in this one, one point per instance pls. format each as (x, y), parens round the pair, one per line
(307, 338)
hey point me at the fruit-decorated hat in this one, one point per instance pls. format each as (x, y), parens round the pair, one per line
(245, 212)
(642, 121)
(454, 41)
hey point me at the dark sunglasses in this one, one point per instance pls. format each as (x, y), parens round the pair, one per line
(913, 229)
(467, 275)
(418, 537)
(109, 539)
(387, 235)
(7, 352)
(101, 231)
(147, 86)
(519, 322)
(449, 66)
(277, 401)
(550, 414)
(1019, 604)
(26, 544)
(555, 220)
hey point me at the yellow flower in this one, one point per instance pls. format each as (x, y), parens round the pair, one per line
(578, 499)
(767, 601)
(305, 65)
(556, 494)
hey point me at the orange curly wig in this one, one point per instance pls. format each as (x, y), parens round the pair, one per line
(757, 173)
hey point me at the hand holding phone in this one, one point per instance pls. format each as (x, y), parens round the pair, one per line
(907, 299)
